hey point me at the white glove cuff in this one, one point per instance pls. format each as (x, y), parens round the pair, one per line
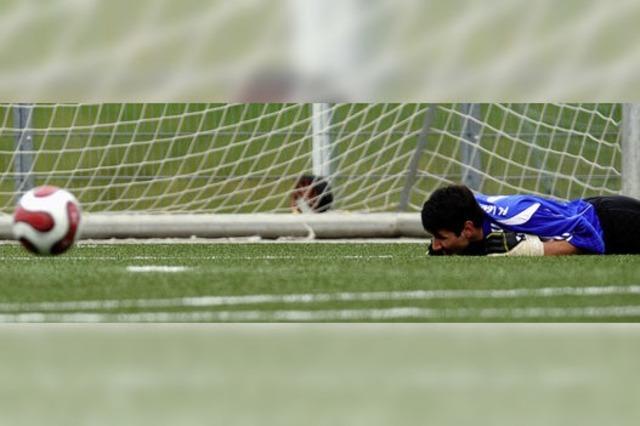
(530, 246)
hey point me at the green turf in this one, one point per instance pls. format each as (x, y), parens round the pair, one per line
(90, 273)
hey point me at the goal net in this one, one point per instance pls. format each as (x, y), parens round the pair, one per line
(168, 159)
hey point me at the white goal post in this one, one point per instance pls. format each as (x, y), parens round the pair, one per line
(225, 170)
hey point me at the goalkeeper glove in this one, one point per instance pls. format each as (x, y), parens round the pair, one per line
(512, 244)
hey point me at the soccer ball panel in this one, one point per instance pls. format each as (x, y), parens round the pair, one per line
(73, 219)
(47, 220)
(39, 220)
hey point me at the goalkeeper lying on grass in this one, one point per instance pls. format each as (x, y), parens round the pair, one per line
(525, 225)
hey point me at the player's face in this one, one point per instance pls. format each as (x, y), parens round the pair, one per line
(449, 242)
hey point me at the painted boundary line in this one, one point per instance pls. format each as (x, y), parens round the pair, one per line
(334, 315)
(212, 301)
(236, 240)
(247, 240)
(157, 268)
(284, 257)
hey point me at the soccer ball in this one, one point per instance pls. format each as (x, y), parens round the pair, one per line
(47, 220)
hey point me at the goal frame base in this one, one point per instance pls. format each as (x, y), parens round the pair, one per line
(264, 225)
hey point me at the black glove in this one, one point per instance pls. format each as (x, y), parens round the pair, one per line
(501, 242)
(513, 244)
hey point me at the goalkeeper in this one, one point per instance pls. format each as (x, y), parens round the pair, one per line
(465, 223)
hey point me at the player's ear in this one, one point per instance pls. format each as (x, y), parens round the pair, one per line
(469, 229)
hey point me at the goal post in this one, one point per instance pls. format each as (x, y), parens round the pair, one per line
(225, 170)
(23, 162)
(631, 149)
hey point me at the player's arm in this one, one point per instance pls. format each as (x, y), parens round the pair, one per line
(513, 244)
(559, 248)
(538, 216)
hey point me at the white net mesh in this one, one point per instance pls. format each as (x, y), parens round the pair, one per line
(560, 150)
(246, 158)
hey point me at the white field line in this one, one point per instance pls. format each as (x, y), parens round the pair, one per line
(332, 315)
(349, 257)
(157, 268)
(90, 243)
(242, 240)
(211, 301)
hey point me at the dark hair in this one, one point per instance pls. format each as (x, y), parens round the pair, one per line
(449, 208)
(315, 193)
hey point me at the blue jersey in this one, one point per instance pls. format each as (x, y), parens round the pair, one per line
(574, 221)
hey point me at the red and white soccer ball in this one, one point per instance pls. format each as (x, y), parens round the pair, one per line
(47, 220)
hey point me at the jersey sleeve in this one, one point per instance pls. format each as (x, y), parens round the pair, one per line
(575, 222)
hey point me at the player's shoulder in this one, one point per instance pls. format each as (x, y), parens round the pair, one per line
(523, 200)
(527, 205)
(486, 201)
(519, 208)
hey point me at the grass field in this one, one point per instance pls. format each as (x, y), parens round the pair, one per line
(310, 282)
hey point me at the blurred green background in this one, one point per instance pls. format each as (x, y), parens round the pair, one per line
(320, 374)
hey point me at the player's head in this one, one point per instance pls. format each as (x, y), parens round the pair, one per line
(453, 217)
